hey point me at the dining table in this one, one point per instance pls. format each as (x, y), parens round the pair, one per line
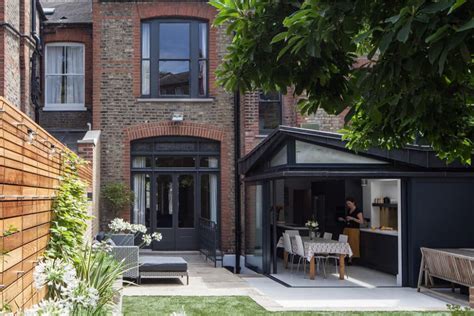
(320, 246)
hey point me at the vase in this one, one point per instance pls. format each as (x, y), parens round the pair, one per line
(312, 234)
(123, 239)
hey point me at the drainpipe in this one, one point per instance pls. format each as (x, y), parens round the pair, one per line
(238, 231)
(34, 84)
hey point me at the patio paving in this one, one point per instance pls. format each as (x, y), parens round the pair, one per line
(205, 280)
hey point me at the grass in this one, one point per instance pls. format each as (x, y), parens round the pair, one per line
(222, 306)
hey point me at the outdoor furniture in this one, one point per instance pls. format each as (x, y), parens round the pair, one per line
(342, 239)
(139, 266)
(318, 246)
(288, 253)
(300, 251)
(291, 232)
(162, 266)
(453, 265)
(327, 236)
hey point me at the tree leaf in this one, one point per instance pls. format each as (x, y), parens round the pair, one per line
(442, 60)
(437, 6)
(456, 5)
(438, 34)
(404, 32)
(469, 25)
(393, 19)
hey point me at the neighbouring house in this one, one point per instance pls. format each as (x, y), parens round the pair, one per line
(141, 76)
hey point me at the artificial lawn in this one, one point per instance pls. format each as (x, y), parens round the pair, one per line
(222, 305)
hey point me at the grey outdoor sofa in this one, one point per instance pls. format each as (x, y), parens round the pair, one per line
(149, 265)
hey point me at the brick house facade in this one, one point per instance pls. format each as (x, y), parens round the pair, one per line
(18, 43)
(110, 34)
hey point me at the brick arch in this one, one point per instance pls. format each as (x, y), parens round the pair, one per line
(141, 131)
(156, 129)
(167, 9)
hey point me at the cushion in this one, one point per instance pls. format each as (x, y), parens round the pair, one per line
(162, 264)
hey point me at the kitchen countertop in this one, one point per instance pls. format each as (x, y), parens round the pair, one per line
(379, 231)
(290, 226)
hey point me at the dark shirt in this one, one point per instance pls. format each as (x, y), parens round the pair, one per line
(354, 213)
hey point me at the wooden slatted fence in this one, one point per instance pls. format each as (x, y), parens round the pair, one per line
(29, 178)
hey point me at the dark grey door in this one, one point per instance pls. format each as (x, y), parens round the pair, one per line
(175, 207)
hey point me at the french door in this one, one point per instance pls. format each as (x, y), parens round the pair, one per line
(175, 211)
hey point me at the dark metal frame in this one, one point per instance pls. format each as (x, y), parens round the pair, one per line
(209, 241)
(193, 59)
(266, 131)
(197, 172)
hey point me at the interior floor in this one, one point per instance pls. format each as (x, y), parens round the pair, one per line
(356, 276)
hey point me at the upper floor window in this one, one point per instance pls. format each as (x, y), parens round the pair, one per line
(269, 112)
(64, 71)
(174, 59)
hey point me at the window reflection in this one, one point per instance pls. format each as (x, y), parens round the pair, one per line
(174, 40)
(164, 201)
(174, 78)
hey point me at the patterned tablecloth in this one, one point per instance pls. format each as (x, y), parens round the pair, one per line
(321, 246)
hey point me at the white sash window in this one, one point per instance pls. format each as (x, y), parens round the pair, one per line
(64, 82)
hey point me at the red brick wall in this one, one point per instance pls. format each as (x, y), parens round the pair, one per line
(122, 116)
(74, 34)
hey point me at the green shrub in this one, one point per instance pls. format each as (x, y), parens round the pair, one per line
(69, 222)
(117, 196)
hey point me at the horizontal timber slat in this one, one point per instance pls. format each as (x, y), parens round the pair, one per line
(30, 175)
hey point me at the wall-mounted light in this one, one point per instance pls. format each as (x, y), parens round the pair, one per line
(31, 136)
(52, 147)
(177, 117)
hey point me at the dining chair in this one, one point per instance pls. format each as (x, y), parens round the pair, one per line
(327, 236)
(300, 252)
(288, 248)
(342, 238)
(292, 233)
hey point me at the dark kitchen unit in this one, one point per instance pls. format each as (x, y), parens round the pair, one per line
(379, 250)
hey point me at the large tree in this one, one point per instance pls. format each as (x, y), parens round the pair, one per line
(417, 84)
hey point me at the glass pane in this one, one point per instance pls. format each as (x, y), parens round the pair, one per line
(54, 59)
(174, 77)
(145, 40)
(253, 226)
(175, 146)
(164, 201)
(141, 207)
(202, 40)
(174, 40)
(145, 77)
(202, 77)
(209, 147)
(74, 60)
(142, 147)
(209, 197)
(209, 162)
(54, 89)
(271, 96)
(310, 153)
(280, 158)
(74, 89)
(269, 115)
(175, 161)
(141, 162)
(186, 201)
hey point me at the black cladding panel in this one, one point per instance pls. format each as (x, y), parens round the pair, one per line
(440, 214)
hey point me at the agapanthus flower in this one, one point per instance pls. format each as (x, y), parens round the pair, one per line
(50, 307)
(54, 273)
(147, 239)
(156, 236)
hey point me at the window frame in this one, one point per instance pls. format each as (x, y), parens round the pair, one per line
(266, 131)
(64, 106)
(154, 58)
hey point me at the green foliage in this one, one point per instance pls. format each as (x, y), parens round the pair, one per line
(10, 231)
(100, 271)
(117, 196)
(458, 310)
(70, 216)
(417, 83)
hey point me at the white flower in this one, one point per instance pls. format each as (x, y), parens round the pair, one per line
(83, 295)
(50, 307)
(54, 273)
(101, 246)
(157, 236)
(147, 239)
(138, 228)
(118, 225)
